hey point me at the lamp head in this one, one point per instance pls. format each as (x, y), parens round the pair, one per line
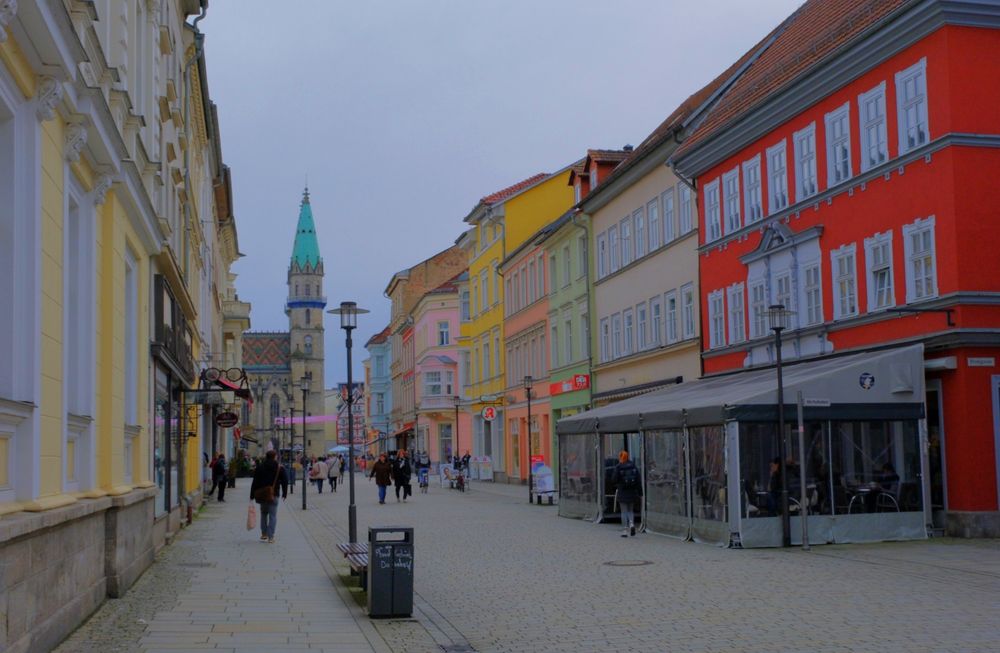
(304, 384)
(778, 317)
(528, 381)
(348, 313)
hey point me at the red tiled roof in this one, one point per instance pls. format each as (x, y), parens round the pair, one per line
(379, 337)
(501, 195)
(608, 156)
(814, 32)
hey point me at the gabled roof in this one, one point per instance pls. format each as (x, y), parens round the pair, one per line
(379, 338)
(813, 33)
(507, 193)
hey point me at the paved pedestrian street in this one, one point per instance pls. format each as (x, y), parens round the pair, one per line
(493, 573)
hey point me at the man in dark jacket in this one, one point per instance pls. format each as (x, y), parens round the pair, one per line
(401, 473)
(219, 476)
(382, 472)
(269, 473)
(628, 482)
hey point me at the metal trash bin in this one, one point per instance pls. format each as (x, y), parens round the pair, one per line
(390, 571)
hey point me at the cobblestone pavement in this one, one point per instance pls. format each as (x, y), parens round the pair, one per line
(496, 574)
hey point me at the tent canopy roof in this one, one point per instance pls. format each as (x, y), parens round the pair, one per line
(886, 384)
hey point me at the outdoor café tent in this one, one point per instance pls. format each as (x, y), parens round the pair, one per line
(706, 447)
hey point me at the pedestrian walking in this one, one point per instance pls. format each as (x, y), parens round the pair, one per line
(423, 471)
(333, 471)
(628, 486)
(219, 476)
(465, 461)
(382, 473)
(317, 474)
(401, 473)
(268, 476)
(231, 472)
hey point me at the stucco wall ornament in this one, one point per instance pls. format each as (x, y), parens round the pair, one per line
(50, 93)
(8, 9)
(101, 187)
(76, 138)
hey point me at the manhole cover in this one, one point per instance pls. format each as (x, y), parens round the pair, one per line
(628, 563)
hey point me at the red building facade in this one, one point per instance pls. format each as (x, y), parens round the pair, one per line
(846, 173)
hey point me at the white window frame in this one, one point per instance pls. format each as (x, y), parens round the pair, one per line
(879, 124)
(553, 274)
(605, 339)
(812, 288)
(567, 339)
(784, 290)
(731, 200)
(567, 266)
(642, 339)
(669, 228)
(915, 108)
(625, 237)
(850, 278)
(670, 319)
(777, 178)
(879, 242)
(736, 313)
(433, 379)
(758, 308)
(716, 319)
(656, 320)
(917, 262)
(713, 211)
(639, 232)
(806, 180)
(628, 332)
(688, 322)
(654, 224)
(602, 255)
(614, 253)
(554, 344)
(443, 333)
(616, 336)
(752, 201)
(838, 142)
(686, 210)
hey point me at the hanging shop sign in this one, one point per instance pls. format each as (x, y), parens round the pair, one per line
(489, 413)
(227, 420)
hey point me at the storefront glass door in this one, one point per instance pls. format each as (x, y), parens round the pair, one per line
(936, 454)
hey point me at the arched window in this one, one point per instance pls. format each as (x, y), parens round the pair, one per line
(308, 316)
(317, 290)
(309, 345)
(296, 290)
(275, 408)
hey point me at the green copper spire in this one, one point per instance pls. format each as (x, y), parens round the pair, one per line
(306, 249)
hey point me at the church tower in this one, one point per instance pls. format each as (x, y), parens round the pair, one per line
(305, 309)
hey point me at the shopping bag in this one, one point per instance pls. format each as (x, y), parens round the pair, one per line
(251, 518)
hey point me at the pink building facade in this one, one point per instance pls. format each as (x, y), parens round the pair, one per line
(442, 430)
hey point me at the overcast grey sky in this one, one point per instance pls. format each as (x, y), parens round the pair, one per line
(404, 113)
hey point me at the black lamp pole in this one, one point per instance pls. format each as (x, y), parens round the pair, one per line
(456, 447)
(777, 316)
(531, 477)
(304, 384)
(348, 313)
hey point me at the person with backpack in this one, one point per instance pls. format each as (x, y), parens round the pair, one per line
(401, 473)
(264, 490)
(628, 484)
(333, 471)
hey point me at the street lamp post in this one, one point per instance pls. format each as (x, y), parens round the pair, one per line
(304, 384)
(531, 477)
(777, 318)
(348, 313)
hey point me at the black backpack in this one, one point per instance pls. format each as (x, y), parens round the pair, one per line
(628, 477)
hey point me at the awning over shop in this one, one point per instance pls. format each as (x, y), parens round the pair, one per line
(885, 384)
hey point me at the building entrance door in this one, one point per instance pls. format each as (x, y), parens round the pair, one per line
(937, 470)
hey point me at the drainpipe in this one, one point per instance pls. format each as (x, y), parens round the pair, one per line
(198, 45)
(590, 302)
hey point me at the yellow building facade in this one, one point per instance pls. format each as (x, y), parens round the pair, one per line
(498, 224)
(116, 239)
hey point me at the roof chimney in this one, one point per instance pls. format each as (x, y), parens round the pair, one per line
(627, 148)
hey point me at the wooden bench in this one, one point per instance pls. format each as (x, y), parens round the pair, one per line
(359, 565)
(357, 557)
